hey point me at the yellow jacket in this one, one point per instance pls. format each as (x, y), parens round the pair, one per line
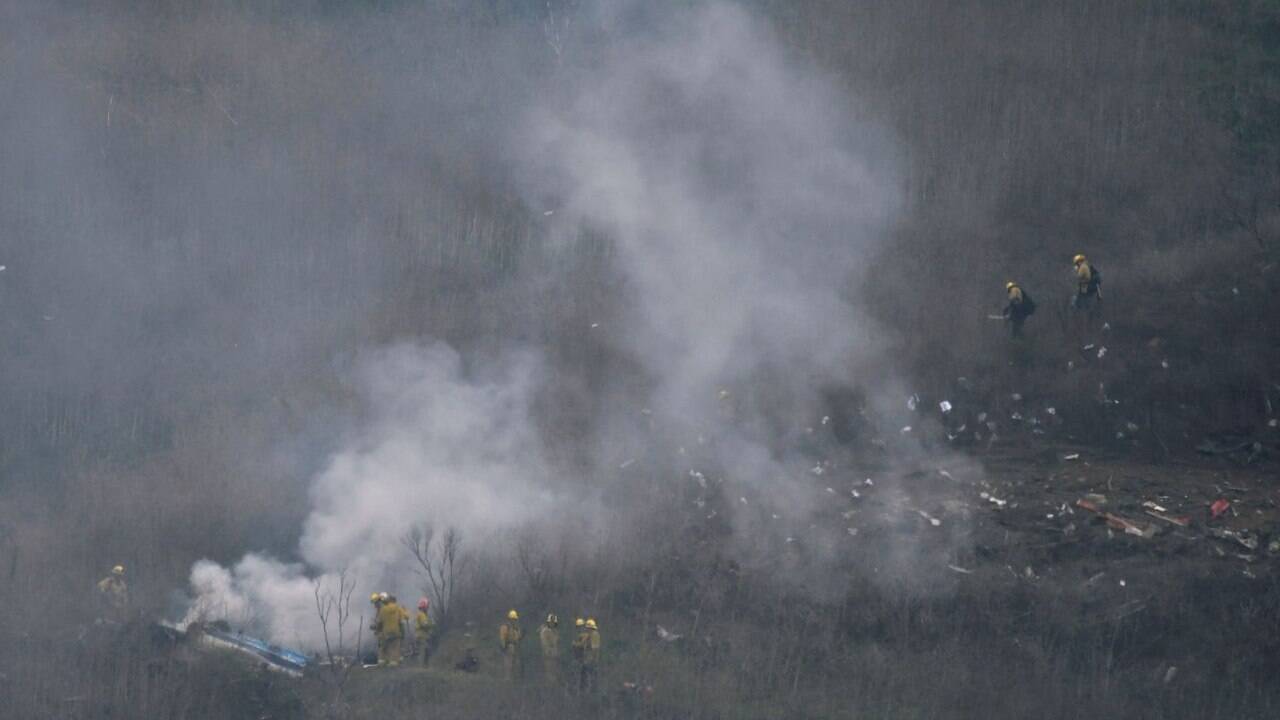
(114, 590)
(1084, 276)
(550, 639)
(422, 625)
(591, 648)
(388, 624)
(509, 635)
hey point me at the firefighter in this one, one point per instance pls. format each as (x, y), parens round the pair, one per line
(509, 636)
(113, 595)
(422, 627)
(1020, 307)
(590, 656)
(375, 599)
(1088, 284)
(389, 627)
(549, 638)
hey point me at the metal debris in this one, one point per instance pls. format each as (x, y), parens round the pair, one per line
(1243, 537)
(1071, 456)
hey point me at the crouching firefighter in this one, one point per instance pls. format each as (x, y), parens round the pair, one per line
(1019, 308)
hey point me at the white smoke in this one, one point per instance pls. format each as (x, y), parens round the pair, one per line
(744, 199)
(443, 446)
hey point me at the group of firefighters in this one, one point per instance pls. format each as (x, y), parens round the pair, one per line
(1087, 294)
(390, 627)
(391, 622)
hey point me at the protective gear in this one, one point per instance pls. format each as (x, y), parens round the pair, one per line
(375, 598)
(552, 620)
(586, 649)
(383, 597)
(1077, 259)
(423, 604)
(1088, 282)
(579, 622)
(549, 639)
(422, 627)
(509, 636)
(113, 596)
(1019, 308)
(390, 631)
(117, 570)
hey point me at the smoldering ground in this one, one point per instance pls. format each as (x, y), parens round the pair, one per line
(739, 191)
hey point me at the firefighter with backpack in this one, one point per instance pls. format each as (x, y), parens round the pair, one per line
(1019, 308)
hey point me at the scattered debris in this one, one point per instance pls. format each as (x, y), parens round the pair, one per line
(960, 570)
(993, 499)
(1102, 352)
(666, 635)
(945, 407)
(912, 402)
(1242, 537)
(1051, 411)
(1117, 522)
(1071, 456)
(906, 430)
(1219, 506)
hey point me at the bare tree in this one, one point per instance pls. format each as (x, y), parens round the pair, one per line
(440, 565)
(335, 606)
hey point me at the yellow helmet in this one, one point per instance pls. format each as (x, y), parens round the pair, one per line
(117, 570)
(591, 623)
(374, 598)
(1077, 259)
(513, 615)
(579, 622)
(1010, 285)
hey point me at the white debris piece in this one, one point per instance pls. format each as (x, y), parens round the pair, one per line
(742, 500)
(1132, 426)
(816, 470)
(1272, 422)
(946, 474)
(1165, 363)
(1017, 397)
(1016, 416)
(852, 531)
(982, 417)
(932, 520)
(959, 569)
(833, 492)
(548, 213)
(906, 430)
(912, 402)
(1102, 352)
(1051, 411)
(1090, 346)
(1072, 456)
(855, 493)
(993, 499)
(1071, 365)
(1106, 326)
(627, 463)
(868, 482)
(666, 635)
(826, 419)
(945, 407)
(595, 325)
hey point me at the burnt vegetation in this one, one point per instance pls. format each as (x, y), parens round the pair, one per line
(208, 210)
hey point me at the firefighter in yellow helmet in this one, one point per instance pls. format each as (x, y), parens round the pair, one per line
(1018, 309)
(590, 639)
(422, 627)
(549, 638)
(113, 595)
(509, 637)
(1088, 284)
(389, 628)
